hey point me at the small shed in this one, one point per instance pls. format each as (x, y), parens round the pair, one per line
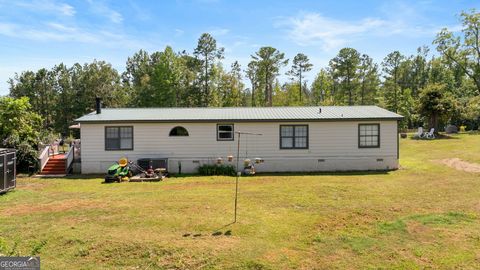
(8, 169)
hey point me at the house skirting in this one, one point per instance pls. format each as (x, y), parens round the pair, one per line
(270, 164)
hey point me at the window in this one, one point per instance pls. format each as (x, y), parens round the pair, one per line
(294, 137)
(225, 132)
(178, 131)
(369, 135)
(118, 138)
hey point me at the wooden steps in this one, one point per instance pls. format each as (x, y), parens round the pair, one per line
(54, 166)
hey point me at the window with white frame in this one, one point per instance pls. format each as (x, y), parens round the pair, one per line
(118, 138)
(225, 132)
(369, 135)
(294, 137)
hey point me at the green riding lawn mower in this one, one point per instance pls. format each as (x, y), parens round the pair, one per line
(126, 170)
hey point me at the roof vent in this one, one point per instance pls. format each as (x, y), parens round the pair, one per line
(319, 110)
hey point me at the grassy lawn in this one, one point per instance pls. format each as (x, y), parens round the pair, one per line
(425, 215)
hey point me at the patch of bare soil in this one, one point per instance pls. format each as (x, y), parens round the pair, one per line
(460, 165)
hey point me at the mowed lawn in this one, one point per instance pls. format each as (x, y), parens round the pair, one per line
(425, 215)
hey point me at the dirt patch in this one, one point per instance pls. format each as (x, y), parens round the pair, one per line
(460, 165)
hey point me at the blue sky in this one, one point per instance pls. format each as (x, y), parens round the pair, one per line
(42, 33)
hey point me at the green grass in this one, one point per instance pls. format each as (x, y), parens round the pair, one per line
(425, 215)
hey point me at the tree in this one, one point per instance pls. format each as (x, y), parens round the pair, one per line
(300, 65)
(368, 79)
(39, 88)
(391, 68)
(19, 128)
(236, 84)
(100, 79)
(322, 88)
(436, 104)
(472, 111)
(269, 61)
(420, 70)
(208, 52)
(344, 67)
(137, 78)
(64, 108)
(252, 73)
(165, 79)
(287, 94)
(464, 51)
(189, 92)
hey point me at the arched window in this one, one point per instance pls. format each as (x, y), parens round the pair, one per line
(178, 131)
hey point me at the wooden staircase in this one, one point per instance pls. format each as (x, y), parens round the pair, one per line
(56, 165)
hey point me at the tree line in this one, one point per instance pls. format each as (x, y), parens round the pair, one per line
(427, 88)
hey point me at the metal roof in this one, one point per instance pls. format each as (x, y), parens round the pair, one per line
(239, 114)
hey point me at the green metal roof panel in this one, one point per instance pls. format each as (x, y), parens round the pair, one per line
(313, 113)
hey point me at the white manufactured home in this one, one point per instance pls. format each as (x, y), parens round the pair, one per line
(293, 139)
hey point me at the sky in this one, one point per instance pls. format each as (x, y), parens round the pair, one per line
(42, 33)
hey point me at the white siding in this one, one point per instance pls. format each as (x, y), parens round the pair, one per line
(333, 146)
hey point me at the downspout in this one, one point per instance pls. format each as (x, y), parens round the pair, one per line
(398, 141)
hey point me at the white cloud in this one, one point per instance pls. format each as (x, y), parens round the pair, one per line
(307, 29)
(102, 9)
(218, 31)
(52, 32)
(66, 10)
(179, 32)
(56, 32)
(315, 29)
(47, 6)
(61, 27)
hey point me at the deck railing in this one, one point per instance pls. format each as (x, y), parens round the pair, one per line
(69, 158)
(44, 156)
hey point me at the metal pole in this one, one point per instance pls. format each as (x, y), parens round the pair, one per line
(236, 180)
(239, 171)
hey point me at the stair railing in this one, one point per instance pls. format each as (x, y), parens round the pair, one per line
(44, 157)
(69, 159)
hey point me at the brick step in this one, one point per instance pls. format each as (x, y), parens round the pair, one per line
(56, 161)
(53, 170)
(62, 168)
(55, 165)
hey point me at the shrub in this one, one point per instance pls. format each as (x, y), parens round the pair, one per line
(19, 127)
(215, 169)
